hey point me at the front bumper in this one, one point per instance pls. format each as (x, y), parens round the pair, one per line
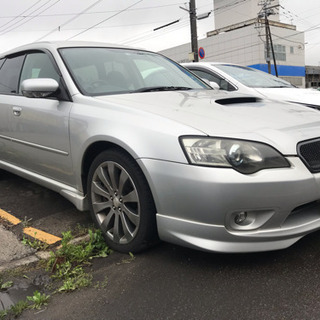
(197, 206)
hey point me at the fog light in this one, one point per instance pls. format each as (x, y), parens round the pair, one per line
(240, 218)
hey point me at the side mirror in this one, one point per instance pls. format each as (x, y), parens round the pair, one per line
(212, 84)
(39, 88)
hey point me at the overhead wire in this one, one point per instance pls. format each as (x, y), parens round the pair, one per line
(70, 20)
(95, 25)
(138, 38)
(152, 35)
(21, 15)
(24, 22)
(92, 12)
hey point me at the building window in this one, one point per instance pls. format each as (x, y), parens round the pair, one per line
(279, 52)
(291, 50)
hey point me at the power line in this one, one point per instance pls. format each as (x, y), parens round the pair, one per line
(89, 13)
(95, 25)
(235, 3)
(20, 15)
(6, 30)
(283, 38)
(70, 20)
(152, 35)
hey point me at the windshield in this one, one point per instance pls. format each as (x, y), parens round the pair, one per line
(102, 71)
(253, 78)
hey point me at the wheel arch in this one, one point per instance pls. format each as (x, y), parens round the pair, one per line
(94, 150)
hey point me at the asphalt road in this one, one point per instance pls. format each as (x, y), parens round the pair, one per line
(171, 282)
(39, 207)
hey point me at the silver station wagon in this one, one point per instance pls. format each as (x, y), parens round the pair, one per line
(154, 153)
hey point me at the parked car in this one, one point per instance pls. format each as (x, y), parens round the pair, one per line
(153, 151)
(232, 77)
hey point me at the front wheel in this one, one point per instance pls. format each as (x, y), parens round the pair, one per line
(121, 202)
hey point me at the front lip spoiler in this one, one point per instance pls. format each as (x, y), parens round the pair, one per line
(216, 238)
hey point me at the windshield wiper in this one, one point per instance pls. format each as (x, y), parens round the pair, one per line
(284, 86)
(161, 88)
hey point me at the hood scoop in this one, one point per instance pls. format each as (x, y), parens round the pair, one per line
(237, 100)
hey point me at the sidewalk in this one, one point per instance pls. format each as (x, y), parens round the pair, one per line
(11, 248)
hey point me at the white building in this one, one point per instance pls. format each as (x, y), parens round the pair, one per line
(240, 37)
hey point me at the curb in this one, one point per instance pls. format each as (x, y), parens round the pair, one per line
(41, 255)
(37, 234)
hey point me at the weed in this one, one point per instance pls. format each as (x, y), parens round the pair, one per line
(3, 314)
(35, 243)
(76, 282)
(80, 230)
(67, 265)
(15, 310)
(18, 308)
(38, 300)
(68, 261)
(26, 222)
(102, 284)
(5, 285)
(130, 259)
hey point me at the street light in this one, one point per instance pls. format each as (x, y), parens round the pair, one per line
(204, 15)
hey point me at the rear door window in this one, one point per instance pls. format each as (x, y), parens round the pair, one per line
(10, 74)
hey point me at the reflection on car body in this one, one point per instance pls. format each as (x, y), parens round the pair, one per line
(159, 157)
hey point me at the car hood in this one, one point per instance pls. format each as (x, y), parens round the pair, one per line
(282, 125)
(304, 96)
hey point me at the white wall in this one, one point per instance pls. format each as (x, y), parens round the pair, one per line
(228, 12)
(245, 46)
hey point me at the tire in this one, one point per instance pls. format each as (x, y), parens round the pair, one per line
(121, 202)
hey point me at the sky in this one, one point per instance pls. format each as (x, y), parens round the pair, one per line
(132, 22)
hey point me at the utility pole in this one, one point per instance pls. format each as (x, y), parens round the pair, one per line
(271, 43)
(193, 29)
(266, 11)
(267, 45)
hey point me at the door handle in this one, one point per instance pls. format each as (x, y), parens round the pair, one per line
(16, 111)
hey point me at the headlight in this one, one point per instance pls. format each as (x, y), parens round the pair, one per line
(244, 156)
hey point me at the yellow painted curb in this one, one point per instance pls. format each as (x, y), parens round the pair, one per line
(41, 235)
(9, 217)
(35, 233)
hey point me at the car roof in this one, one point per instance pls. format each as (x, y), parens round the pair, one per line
(53, 45)
(210, 63)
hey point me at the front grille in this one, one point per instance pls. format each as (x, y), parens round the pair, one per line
(309, 152)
